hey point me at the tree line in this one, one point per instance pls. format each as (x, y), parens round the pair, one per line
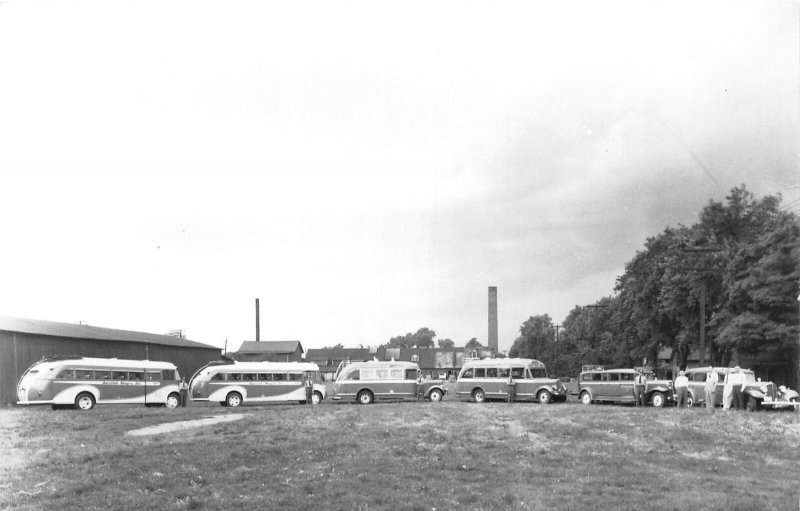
(736, 270)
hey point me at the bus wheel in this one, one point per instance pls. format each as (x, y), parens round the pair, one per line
(544, 397)
(478, 396)
(365, 397)
(173, 400)
(586, 398)
(689, 401)
(233, 400)
(435, 395)
(316, 398)
(84, 401)
(658, 399)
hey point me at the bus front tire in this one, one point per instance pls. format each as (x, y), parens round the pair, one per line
(545, 397)
(233, 400)
(84, 401)
(316, 398)
(173, 400)
(365, 397)
(435, 395)
(658, 400)
(586, 398)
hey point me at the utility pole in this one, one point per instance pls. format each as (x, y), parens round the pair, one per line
(555, 360)
(702, 347)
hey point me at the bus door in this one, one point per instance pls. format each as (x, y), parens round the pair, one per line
(526, 386)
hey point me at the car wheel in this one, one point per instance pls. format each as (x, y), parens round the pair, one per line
(689, 401)
(435, 395)
(586, 398)
(545, 397)
(173, 400)
(316, 398)
(657, 400)
(478, 396)
(752, 404)
(84, 401)
(233, 400)
(365, 397)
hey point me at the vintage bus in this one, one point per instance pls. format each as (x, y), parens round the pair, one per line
(83, 382)
(235, 383)
(366, 382)
(523, 379)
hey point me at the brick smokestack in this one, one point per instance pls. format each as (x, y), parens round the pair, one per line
(493, 318)
(258, 319)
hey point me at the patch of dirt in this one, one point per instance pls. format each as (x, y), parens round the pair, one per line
(171, 427)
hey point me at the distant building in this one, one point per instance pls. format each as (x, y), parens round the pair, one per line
(272, 351)
(25, 341)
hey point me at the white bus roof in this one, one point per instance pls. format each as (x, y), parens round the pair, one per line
(265, 366)
(384, 363)
(504, 362)
(112, 363)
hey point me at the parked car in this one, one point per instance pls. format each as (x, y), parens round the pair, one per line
(367, 382)
(757, 393)
(596, 383)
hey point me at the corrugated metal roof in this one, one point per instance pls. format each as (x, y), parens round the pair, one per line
(75, 331)
(279, 347)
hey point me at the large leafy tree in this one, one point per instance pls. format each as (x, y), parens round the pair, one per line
(422, 338)
(536, 337)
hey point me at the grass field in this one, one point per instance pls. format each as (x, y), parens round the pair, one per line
(404, 456)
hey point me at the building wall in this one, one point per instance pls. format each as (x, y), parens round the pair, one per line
(18, 351)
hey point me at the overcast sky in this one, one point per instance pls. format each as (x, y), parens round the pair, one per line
(369, 168)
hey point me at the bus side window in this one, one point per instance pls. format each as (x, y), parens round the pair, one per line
(395, 374)
(517, 372)
(467, 373)
(353, 375)
(279, 376)
(234, 377)
(136, 375)
(295, 377)
(64, 374)
(119, 375)
(249, 376)
(503, 372)
(168, 374)
(382, 374)
(263, 377)
(411, 374)
(83, 374)
(153, 376)
(491, 372)
(480, 372)
(102, 375)
(218, 377)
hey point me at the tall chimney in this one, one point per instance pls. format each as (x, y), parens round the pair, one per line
(258, 327)
(493, 318)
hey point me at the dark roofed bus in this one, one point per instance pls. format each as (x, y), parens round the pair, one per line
(83, 382)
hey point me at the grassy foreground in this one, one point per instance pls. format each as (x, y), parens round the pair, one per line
(406, 456)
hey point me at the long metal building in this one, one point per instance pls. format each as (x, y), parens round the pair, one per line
(24, 341)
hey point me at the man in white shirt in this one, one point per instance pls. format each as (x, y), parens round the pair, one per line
(681, 388)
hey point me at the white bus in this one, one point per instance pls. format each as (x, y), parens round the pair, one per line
(83, 382)
(234, 383)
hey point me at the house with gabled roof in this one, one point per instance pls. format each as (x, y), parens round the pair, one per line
(270, 351)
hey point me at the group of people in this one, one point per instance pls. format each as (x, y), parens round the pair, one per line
(732, 395)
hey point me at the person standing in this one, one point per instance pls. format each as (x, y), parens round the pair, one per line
(727, 391)
(712, 379)
(309, 387)
(736, 388)
(639, 387)
(681, 388)
(183, 387)
(512, 387)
